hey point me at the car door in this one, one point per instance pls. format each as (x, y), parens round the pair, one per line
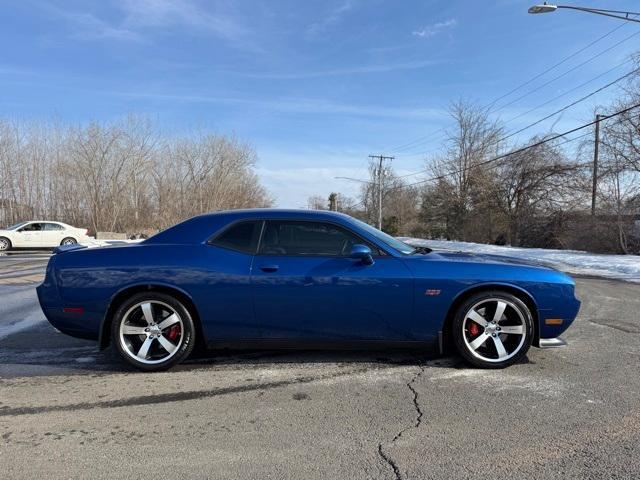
(223, 294)
(52, 234)
(306, 286)
(29, 236)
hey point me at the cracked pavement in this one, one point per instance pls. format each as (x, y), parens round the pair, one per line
(69, 411)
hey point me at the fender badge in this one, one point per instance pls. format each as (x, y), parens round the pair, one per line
(432, 292)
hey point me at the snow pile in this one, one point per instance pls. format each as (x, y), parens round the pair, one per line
(622, 267)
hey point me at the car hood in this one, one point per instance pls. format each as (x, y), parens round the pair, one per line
(482, 258)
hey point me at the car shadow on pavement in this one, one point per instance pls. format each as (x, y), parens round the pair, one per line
(42, 351)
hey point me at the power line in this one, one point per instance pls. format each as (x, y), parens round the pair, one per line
(573, 165)
(566, 107)
(426, 138)
(572, 104)
(522, 149)
(568, 71)
(567, 58)
(567, 92)
(570, 140)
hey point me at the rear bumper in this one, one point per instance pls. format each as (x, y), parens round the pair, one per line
(551, 342)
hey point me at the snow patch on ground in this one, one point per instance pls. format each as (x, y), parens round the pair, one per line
(85, 359)
(31, 320)
(622, 267)
(501, 380)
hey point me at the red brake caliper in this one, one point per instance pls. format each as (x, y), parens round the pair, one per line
(174, 332)
(474, 330)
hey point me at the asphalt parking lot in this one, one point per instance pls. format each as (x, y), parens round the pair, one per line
(69, 411)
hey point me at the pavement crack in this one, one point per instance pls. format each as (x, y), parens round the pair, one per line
(621, 328)
(417, 422)
(390, 461)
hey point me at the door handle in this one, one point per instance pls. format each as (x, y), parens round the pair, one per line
(269, 268)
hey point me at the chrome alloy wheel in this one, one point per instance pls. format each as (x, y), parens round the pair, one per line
(4, 244)
(151, 332)
(69, 241)
(494, 330)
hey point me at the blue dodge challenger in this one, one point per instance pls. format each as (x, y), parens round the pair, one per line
(303, 279)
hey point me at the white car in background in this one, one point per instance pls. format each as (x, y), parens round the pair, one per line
(41, 234)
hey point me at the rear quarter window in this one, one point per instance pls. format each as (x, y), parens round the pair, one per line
(241, 237)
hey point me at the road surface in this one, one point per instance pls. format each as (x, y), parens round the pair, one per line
(69, 411)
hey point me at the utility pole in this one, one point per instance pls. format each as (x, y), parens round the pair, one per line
(594, 186)
(381, 159)
(333, 202)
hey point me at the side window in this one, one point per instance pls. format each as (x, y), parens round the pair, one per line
(49, 227)
(242, 237)
(306, 238)
(32, 227)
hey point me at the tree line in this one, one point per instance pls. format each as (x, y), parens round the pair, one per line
(121, 176)
(534, 197)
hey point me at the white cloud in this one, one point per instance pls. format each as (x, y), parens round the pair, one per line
(435, 28)
(364, 69)
(334, 16)
(138, 17)
(90, 27)
(144, 14)
(297, 105)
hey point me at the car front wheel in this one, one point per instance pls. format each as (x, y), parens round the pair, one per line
(493, 329)
(153, 331)
(5, 244)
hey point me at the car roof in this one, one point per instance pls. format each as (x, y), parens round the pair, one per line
(201, 227)
(277, 213)
(46, 221)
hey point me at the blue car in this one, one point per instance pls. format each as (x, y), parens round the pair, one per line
(305, 279)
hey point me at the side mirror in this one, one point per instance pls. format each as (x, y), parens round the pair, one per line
(362, 253)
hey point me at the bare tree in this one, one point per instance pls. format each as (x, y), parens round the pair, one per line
(474, 139)
(121, 175)
(316, 202)
(536, 182)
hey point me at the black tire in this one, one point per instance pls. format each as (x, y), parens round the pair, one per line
(68, 241)
(125, 343)
(516, 317)
(5, 244)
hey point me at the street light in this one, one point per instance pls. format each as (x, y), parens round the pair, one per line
(622, 15)
(544, 8)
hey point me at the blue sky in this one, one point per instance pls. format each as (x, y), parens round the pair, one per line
(314, 86)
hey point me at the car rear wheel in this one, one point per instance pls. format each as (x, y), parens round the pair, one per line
(5, 244)
(68, 241)
(493, 329)
(153, 331)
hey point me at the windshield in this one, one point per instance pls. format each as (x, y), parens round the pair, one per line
(387, 239)
(16, 226)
